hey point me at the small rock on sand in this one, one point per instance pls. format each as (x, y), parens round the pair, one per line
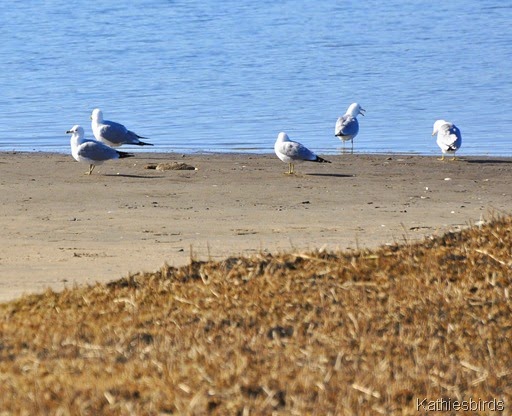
(169, 166)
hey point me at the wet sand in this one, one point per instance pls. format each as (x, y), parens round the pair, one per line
(62, 228)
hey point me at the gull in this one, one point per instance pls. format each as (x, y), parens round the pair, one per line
(293, 152)
(91, 151)
(347, 125)
(449, 138)
(112, 133)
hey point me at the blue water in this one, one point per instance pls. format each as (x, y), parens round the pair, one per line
(228, 76)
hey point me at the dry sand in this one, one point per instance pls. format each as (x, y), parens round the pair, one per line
(62, 228)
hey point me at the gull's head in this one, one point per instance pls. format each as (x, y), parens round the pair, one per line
(283, 137)
(97, 115)
(355, 109)
(76, 130)
(437, 126)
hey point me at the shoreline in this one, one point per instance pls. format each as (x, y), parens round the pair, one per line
(268, 152)
(63, 228)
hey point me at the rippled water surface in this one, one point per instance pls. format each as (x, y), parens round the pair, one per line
(229, 76)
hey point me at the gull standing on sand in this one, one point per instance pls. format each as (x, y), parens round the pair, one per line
(449, 138)
(91, 151)
(112, 133)
(293, 152)
(347, 125)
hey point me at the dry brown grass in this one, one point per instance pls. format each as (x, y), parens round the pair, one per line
(318, 333)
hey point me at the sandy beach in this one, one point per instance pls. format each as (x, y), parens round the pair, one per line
(62, 228)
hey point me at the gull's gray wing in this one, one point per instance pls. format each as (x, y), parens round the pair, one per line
(449, 137)
(346, 126)
(96, 151)
(115, 133)
(296, 151)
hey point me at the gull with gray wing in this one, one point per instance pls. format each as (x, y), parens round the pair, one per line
(449, 138)
(347, 125)
(112, 133)
(293, 152)
(91, 151)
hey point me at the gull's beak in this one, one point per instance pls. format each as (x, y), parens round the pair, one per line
(362, 111)
(69, 132)
(434, 133)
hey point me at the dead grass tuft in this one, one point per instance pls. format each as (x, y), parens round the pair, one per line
(369, 332)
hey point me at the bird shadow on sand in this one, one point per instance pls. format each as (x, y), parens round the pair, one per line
(489, 161)
(332, 175)
(127, 175)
